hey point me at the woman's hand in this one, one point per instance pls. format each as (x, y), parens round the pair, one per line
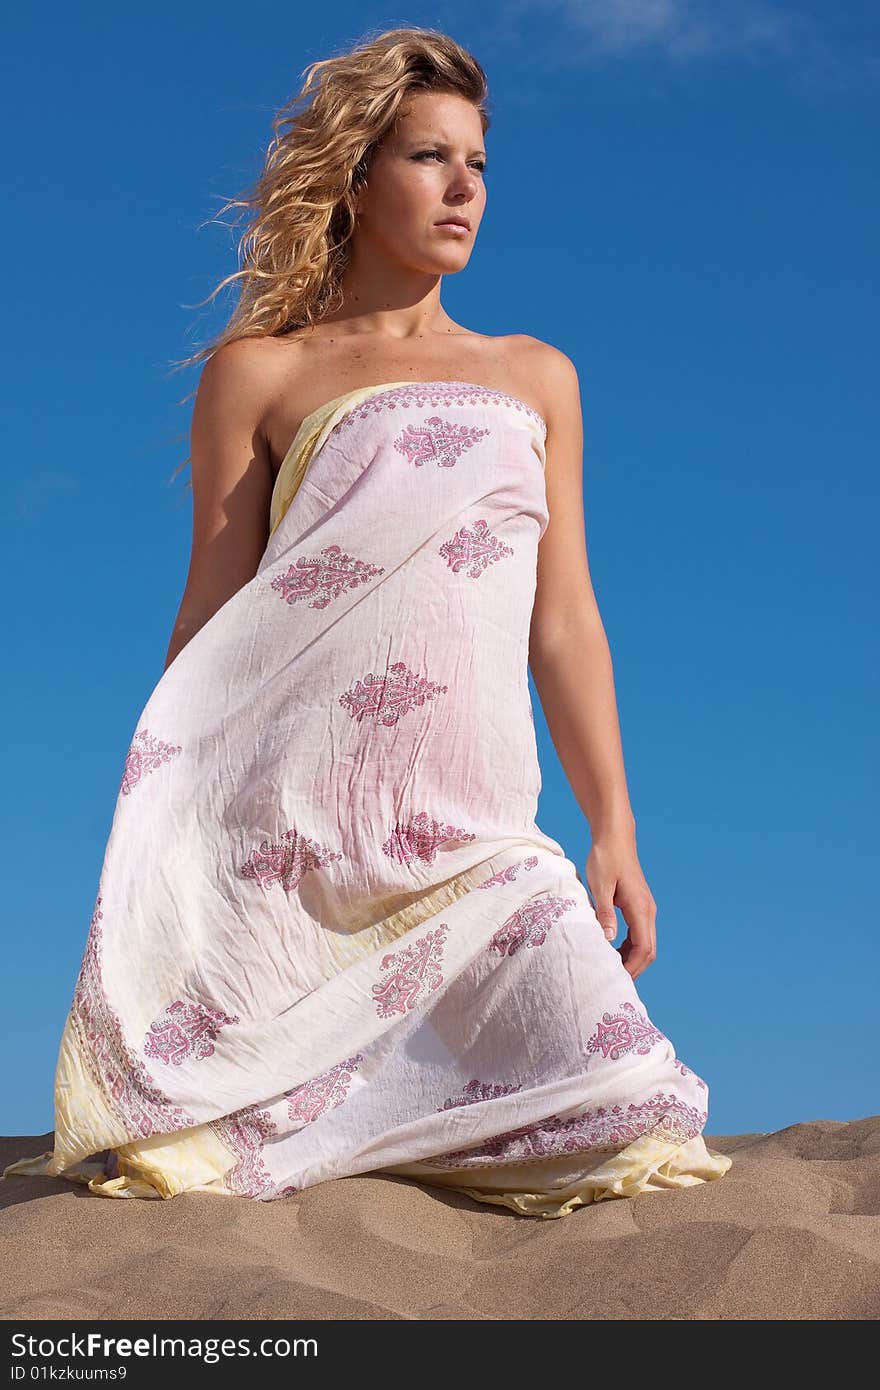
(615, 879)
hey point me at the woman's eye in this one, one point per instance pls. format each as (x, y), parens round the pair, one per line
(475, 164)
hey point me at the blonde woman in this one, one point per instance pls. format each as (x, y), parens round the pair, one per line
(329, 937)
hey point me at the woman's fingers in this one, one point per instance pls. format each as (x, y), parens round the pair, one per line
(640, 947)
(615, 879)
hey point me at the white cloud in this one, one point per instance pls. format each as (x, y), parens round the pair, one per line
(679, 29)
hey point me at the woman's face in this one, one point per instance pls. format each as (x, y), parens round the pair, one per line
(428, 169)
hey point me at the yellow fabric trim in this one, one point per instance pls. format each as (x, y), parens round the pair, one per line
(160, 1167)
(392, 916)
(85, 1126)
(548, 1188)
(308, 439)
(553, 1188)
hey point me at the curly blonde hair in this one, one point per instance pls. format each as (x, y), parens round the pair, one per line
(300, 211)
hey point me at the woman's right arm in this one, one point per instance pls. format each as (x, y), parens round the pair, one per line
(231, 483)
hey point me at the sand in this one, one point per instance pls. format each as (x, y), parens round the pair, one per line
(791, 1231)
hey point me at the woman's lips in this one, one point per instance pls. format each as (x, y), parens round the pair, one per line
(455, 227)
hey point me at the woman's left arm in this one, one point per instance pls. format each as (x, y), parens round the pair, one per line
(571, 664)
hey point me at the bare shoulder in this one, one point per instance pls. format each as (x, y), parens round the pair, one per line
(228, 435)
(552, 375)
(239, 378)
(231, 480)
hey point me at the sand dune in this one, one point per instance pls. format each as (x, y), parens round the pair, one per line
(792, 1231)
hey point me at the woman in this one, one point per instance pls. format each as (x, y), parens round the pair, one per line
(329, 937)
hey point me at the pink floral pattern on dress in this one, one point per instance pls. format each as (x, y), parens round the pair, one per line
(445, 394)
(323, 578)
(509, 873)
(185, 1031)
(245, 1133)
(120, 1074)
(476, 1091)
(420, 838)
(411, 972)
(145, 754)
(664, 1117)
(324, 1092)
(474, 548)
(529, 925)
(388, 698)
(437, 441)
(626, 1030)
(686, 1071)
(286, 861)
(114, 1066)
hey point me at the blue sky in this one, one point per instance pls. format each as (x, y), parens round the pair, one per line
(682, 197)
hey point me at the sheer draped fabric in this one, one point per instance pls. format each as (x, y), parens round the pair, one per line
(329, 937)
